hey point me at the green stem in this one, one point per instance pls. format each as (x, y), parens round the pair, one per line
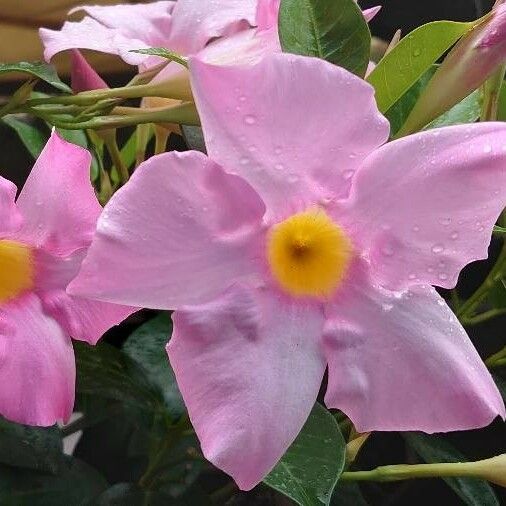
(184, 114)
(466, 310)
(410, 471)
(491, 94)
(176, 88)
(114, 152)
(483, 317)
(496, 359)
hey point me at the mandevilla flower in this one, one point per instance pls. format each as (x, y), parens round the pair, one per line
(44, 236)
(303, 242)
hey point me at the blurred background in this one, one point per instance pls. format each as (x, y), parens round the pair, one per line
(19, 22)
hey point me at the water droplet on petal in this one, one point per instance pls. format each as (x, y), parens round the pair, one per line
(348, 174)
(487, 148)
(250, 119)
(437, 248)
(454, 236)
(442, 276)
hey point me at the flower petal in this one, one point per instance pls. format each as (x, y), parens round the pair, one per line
(402, 361)
(150, 22)
(58, 202)
(249, 367)
(11, 218)
(90, 34)
(195, 23)
(423, 207)
(265, 123)
(37, 368)
(179, 233)
(83, 319)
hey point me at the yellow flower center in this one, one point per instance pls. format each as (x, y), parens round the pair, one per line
(308, 254)
(16, 270)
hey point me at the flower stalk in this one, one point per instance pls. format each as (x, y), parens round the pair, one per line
(493, 470)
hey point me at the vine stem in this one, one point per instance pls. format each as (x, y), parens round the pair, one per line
(410, 471)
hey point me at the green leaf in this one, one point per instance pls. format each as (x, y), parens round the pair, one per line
(466, 111)
(39, 69)
(347, 493)
(497, 294)
(163, 53)
(105, 371)
(433, 449)
(398, 70)
(33, 139)
(398, 113)
(76, 485)
(146, 347)
(333, 30)
(31, 447)
(309, 470)
(499, 230)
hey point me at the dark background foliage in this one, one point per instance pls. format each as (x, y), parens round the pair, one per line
(120, 457)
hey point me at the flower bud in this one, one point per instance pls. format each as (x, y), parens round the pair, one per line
(82, 75)
(468, 65)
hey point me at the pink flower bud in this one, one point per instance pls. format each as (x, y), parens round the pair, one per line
(468, 65)
(82, 75)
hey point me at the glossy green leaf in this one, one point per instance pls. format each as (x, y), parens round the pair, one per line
(466, 111)
(499, 230)
(30, 136)
(309, 470)
(334, 30)
(38, 448)
(146, 347)
(433, 449)
(163, 53)
(105, 371)
(41, 70)
(77, 484)
(398, 113)
(397, 71)
(347, 493)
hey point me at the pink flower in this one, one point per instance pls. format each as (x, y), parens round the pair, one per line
(185, 26)
(44, 236)
(304, 242)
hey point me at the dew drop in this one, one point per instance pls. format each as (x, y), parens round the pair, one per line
(454, 236)
(416, 229)
(416, 52)
(487, 148)
(244, 160)
(387, 307)
(250, 119)
(437, 248)
(442, 276)
(348, 174)
(411, 276)
(279, 166)
(445, 221)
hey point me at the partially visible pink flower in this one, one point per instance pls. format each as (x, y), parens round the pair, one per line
(304, 242)
(185, 26)
(44, 236)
